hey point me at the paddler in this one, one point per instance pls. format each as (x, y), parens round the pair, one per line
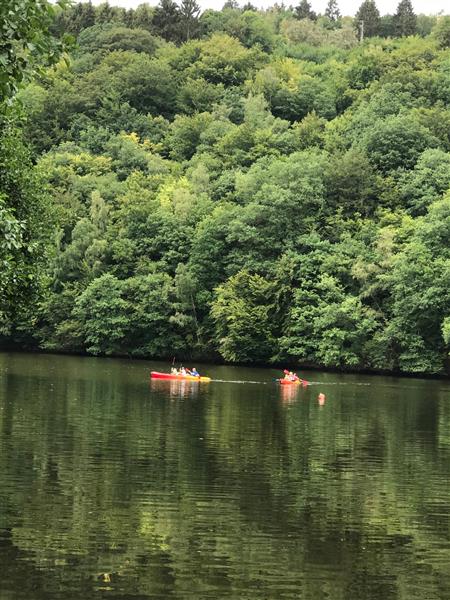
(194, 372)
(290, 376)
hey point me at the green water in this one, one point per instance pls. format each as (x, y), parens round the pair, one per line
(115, 487)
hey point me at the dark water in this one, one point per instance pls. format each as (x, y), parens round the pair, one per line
(112, 487)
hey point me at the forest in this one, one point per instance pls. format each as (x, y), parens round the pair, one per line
(243, 185)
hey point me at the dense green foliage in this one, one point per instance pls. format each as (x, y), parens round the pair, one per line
(270, 190)
(26, 46)
(25, 42)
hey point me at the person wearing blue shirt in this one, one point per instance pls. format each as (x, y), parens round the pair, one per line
(194, 372)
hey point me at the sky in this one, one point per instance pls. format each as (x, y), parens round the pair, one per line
(347, 7)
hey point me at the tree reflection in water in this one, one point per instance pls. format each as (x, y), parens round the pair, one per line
(183, 490)
(176, 388)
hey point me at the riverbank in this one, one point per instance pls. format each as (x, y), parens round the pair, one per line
(217, 361)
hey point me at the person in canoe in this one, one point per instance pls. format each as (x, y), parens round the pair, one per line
(290, 376)
(173, 371)
(194, 372)
(182, 371)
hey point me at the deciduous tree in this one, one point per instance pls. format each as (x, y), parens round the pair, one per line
(243, 311)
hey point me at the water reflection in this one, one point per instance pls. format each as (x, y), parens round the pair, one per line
(176, 389)
(289, 394)
(108, 485)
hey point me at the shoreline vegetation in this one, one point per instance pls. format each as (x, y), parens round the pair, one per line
(260, 187)
(204, 361)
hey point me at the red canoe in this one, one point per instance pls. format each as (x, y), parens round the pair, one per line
(156, 375)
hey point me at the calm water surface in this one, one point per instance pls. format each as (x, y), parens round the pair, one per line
(115, 487)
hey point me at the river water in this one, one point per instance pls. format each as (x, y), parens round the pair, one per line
(112, 486)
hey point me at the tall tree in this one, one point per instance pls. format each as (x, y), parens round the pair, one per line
(167, 21)
(189, 12)
(367, 19)
(143, 17)
(387, 28)
(87, 17)
(104, 13)
(231, 4)
(405, 20)
(76, 21)
(332, 10)
(304, 11)
(128, 18)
